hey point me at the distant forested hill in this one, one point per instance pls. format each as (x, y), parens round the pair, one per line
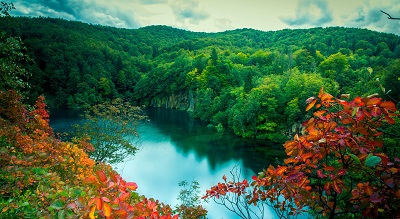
(251, 81)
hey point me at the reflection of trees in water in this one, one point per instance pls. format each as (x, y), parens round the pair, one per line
(189, 135)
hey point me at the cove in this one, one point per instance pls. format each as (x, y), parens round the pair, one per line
(175, 147)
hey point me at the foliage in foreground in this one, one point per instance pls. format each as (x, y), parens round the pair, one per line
(43, 177)
(190, 201)
(111, 127)
(338, 168)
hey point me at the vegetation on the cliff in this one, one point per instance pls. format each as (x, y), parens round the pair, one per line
(250, 81)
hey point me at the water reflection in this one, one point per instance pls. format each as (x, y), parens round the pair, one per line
(160, 165)
(191, 135)
(176, 147)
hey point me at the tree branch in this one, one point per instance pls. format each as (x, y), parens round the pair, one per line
(390, 17)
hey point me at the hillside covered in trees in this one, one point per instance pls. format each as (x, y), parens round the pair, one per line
(250, 81)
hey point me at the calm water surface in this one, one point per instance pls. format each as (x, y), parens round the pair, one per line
(176, 147)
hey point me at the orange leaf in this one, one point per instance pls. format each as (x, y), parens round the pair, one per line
(310, 105)
(290, 160)
(320, 113)
(307, 156)
(321, 92)
(91, 214)
(106, 209)
(124, 196)
(271, 169)
(368, 190)
(98, 203)
(280, 170)
(131, 185)
(327, 186)
(358, 101)
(326, 97)
(389, 106)
(329, 168)
(374, 101)
(91, 179)
(121, 213)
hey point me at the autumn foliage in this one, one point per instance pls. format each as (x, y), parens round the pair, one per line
(43, 177)
(337, 168)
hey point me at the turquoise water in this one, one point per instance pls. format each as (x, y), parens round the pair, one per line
(175, 147)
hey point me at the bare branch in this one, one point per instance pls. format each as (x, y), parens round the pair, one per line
(390, 17)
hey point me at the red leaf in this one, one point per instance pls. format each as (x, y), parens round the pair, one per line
(390, 120)
(294, 176)
(337, 187)
(105, 199)
(341, 172)
(320, 174)
(102, 176)
(310, 99)
(375, 198)
(360, 114)
(71, 205)
(376, 111)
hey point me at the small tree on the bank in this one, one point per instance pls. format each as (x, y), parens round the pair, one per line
(112, 129)
(338, 168)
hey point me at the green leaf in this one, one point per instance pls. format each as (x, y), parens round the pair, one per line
(24, 204)
(355, 158)
(77, 192)
(372, 160)
(69, 213)
(57, 204)
(61, 214)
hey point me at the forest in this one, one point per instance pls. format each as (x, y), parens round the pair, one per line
(329, 94)
(252, 82)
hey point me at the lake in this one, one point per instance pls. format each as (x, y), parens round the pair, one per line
(175, 147)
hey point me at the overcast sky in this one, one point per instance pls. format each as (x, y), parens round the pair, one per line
(220, 15)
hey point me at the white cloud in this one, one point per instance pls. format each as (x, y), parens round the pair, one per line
(310, 13)
(220, 15)
(223, 24)
(188, 11)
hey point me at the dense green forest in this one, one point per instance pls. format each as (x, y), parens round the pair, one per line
(250, 81)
